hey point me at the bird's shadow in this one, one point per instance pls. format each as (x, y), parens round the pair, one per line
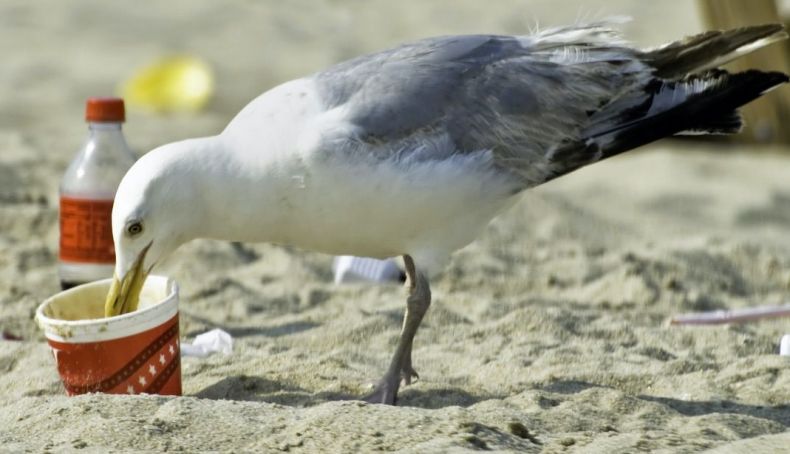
(778, 413)
(776, 212)
(245, 331)
(440, 398)
(259, 389)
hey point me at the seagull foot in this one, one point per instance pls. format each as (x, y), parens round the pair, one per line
(407, 373)
(386, 391)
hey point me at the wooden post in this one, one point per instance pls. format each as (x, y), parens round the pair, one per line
(768, 118)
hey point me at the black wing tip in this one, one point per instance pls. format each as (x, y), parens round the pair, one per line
(778, 77)
(715, 124)
(713, 109)
(761, 81)
(769, 28)
(713, 47)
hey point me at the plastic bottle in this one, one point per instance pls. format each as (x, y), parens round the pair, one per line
(86, 195)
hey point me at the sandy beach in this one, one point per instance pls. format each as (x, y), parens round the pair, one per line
(547, 334)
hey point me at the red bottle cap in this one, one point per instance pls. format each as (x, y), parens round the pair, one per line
(105, 110)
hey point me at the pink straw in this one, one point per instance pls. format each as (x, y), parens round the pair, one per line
(731, 316)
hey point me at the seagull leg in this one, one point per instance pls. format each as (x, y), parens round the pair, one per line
(417, 303)
(407, 372)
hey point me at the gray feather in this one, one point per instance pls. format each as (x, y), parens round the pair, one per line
(519, 97)
(515, 96)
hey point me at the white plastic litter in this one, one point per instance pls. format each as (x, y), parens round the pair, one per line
(207, 343)
(784, 345)
(348, 268)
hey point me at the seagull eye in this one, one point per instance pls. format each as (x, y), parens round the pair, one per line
(134, 228)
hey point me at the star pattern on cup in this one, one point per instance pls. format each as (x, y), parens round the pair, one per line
(142, 380)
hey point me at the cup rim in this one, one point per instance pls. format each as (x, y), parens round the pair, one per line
(97, 329)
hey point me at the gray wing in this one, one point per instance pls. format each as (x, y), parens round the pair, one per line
(520, 97)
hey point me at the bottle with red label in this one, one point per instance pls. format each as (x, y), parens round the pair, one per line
(87, 192)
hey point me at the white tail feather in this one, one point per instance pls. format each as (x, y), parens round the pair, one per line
(743, 50)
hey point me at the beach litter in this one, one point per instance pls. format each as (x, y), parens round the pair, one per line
(214, 341)
(731, 316)
(8, 336)
(132, 353)
(178, 84)
(738, 316)
(784, 345)
(350, 269)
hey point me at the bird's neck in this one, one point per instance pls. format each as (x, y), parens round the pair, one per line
(252, 175)
(243, 195)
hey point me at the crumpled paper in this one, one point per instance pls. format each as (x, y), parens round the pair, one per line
(214, 341)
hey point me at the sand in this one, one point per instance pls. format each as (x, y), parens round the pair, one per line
(547, 334)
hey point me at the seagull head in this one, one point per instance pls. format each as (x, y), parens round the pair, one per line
(153, 214)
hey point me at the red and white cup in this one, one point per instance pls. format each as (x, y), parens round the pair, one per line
(131, 353)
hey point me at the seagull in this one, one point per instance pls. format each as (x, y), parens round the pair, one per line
(412, 151)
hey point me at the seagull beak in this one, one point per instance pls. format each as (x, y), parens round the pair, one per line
(124, 292)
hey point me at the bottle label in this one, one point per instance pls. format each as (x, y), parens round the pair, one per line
(86, 231)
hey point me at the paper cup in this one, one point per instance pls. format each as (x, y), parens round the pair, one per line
(131, 353)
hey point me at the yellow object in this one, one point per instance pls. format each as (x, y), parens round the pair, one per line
(173, 84)
(124, 294)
